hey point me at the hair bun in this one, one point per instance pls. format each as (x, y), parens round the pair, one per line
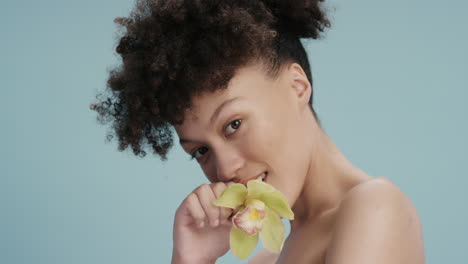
(302, 18)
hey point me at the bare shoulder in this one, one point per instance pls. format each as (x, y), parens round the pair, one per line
(380, 188)
(376, 216)
(264, 257)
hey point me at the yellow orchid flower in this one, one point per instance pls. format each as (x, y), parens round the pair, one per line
(259, 208)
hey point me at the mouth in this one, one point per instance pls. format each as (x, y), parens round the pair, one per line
(263, 177)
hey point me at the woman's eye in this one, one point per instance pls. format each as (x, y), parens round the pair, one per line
(230, 128)
(199, 152)
(233, 126)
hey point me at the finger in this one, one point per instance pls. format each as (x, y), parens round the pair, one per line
(218, 189)
(206, 197)
(230, 183)
(195, 209)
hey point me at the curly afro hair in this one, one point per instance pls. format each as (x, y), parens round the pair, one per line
(173, 50)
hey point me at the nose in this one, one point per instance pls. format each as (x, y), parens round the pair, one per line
(228, 164)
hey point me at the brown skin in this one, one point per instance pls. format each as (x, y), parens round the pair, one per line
(338, 208)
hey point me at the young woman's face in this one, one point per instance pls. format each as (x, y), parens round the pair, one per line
(256, 125)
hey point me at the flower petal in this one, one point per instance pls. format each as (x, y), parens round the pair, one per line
(278, 203)
(250, 219)
(242, 244)
(232, 197)
(272, 233)
(271, 197)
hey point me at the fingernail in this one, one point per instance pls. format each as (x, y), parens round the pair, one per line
(216, 222)
(202, 224)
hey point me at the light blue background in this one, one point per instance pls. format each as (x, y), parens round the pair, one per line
(391, 84)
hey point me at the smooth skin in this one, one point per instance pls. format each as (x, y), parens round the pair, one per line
(258, 124)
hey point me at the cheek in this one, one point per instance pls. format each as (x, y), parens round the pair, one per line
(263, 140)
(210, 172)
(268, 143)
(274, 143)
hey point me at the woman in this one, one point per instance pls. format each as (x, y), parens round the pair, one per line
(233, 80)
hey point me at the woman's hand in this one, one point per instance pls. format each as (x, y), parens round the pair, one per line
(201, 230)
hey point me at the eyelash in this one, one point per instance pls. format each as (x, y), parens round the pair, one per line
(192, 156)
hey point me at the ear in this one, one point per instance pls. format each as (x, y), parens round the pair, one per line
(300, 84)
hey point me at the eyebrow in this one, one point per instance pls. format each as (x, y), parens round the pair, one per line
(214, 116)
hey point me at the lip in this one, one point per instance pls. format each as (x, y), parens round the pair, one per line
(253, 178)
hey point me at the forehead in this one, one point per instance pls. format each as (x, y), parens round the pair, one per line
(249, 83)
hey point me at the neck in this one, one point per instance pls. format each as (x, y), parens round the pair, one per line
(330, 175)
